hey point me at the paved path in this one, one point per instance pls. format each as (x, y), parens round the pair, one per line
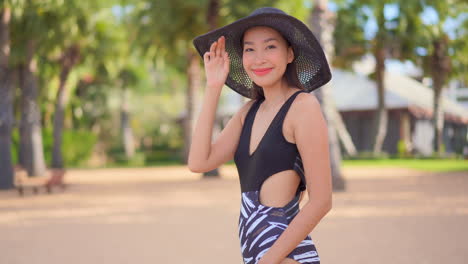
(169, 215)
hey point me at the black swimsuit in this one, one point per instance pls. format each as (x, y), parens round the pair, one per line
(260, 225)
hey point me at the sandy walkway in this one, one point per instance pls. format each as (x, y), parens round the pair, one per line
(170, 215)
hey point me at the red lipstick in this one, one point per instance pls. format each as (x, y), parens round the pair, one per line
(262, 72)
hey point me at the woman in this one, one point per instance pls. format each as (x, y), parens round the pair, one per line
(278, 139)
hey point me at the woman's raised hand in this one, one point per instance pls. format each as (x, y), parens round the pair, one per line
(216, 64)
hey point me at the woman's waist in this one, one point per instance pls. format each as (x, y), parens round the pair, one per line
(251, 205)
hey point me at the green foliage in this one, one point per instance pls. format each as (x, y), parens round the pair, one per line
(402, 149)
(368, 155)
(142, 46)
(119, 158)
(77, 146)
(458, 50)
(75, 154)
(432, 164)
(241, 8)
(160, 143)
(299, 9)
(15, 146)
(350, 42)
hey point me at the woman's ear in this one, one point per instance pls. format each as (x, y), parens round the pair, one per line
(290, 54)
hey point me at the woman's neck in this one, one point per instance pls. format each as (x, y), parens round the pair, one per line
(275, 95)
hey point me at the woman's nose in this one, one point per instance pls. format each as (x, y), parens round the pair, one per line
(259, 58)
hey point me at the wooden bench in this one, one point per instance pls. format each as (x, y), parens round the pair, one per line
(56, 179)
(22, 181)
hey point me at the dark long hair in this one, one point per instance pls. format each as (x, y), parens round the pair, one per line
(290, 73)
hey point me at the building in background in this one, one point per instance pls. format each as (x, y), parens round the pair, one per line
(458, 92)
(408, 101)
(409, 104)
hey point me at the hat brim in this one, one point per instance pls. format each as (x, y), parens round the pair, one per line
(311, 64)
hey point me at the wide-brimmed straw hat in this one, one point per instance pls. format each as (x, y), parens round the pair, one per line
(310, 62)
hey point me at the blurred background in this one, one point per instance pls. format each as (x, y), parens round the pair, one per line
(122, 78)
(107, 93)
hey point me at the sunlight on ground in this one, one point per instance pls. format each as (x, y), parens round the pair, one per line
(127, 195)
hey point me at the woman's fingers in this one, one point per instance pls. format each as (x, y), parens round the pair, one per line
(226, 61)
(222, 45)
(206, 56)
(219, 46)
(217, 63)
(226, 56)
(217, 50)
(212, 50)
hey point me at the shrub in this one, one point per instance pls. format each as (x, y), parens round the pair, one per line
(77, 146)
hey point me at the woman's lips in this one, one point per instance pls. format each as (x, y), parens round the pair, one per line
(262, 72)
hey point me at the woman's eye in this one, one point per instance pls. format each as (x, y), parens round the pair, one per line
(248, 49)
(271, 47)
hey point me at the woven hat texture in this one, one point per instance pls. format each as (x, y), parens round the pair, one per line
(310, 61)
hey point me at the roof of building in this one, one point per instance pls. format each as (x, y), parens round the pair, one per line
(356, 92)
(353, 92)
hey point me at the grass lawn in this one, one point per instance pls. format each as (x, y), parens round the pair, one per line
(435, 165)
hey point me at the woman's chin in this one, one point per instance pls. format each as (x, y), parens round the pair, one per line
(264, 83)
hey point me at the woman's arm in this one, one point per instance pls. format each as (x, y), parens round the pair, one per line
(311, 136)
(216, 63)
(203, 155)
(200, 147)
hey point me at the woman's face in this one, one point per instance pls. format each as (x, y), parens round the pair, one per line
(265, 55)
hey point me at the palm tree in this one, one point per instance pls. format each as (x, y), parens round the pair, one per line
(351, 44)
(6, 100)
(322, 26)
(440, 68)
(127, 77)
(379, 50)
(68, 59)
(27, 25)
(31, 147)
(71, 32)
(160, 35)
(439, 64)
(434, 40)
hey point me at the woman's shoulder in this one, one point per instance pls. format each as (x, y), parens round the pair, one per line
(242, 112)
(305, 105)
(306, 98)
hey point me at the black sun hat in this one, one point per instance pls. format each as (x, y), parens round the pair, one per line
(310, 62)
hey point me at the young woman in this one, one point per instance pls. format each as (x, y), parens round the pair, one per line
(278, 139)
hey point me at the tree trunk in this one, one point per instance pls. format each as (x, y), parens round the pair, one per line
(326, 41)
(440, 68)
(23, 139)
(68, 60)
(322, 23)
(212, 18)
(342, 132)
(6, 102)
(32, 155)
(193, 73)
(127, 133)
(213, 14)
(381, 119)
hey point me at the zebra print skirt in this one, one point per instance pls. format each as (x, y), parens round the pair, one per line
(260, 226)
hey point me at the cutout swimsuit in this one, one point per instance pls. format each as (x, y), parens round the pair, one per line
(261, 225)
